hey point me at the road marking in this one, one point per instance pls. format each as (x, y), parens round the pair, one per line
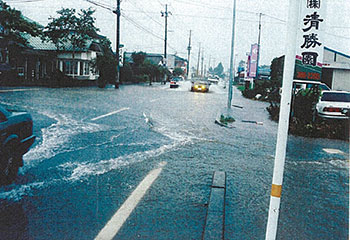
(109, 114)
(333, 151)
(116, 222)
(19, 90)
(154, 100)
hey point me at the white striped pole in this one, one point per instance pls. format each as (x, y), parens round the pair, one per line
(288, 74)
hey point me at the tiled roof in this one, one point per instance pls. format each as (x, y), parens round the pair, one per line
(37, 44)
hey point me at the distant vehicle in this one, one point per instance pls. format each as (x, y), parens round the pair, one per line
(174, 82)
(200, 86)
(16, 137)
(213, 80)
(333, 104)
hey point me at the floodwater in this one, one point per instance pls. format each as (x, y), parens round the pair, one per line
(94, 146)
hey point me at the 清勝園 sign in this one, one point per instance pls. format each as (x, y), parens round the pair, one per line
(310, 44)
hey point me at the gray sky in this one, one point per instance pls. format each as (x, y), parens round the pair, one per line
(142, 27)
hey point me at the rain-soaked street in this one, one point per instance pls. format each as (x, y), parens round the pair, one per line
(94, 147)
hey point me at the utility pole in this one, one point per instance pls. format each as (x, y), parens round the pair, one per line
(188, 56)
(282, 134)
(165, 15)
(232, 55)
(202, 63)
(257, 61)
(117, 12)
(209, 62)
(199, 56)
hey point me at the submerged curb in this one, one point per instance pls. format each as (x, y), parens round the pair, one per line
(215, 219)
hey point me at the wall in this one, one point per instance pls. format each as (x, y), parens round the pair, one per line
(341, 80)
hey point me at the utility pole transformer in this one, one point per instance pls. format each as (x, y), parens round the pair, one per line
(165, 15)
(117, 12)
(188, 56)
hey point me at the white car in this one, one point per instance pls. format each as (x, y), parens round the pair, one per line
(333, 104)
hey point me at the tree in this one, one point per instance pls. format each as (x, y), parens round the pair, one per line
(277, 70)
(219, 70)
(105, 63)
(71, 29)
(14, 24)
(138, 58)
(14, 31)
(178, 71)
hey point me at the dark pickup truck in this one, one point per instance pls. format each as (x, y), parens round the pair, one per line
(16, 137)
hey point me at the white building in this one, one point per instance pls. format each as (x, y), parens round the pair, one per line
(336, 70)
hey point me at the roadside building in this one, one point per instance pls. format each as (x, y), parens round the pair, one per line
(155, 58)
(336, 69)
(173, 61)
(39, 61)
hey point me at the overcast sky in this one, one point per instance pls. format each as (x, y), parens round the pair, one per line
(142, 27)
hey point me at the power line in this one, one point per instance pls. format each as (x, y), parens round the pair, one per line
(24, 1)
(141, 27)
(201, 5)
(135, 5)
(105, 6)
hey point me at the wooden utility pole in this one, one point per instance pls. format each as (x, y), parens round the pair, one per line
(199, 56)
(188, 56)
(202, 70)
(117, 12)
(258, 54)
(165, 15)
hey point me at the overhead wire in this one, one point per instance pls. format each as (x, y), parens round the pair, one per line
(24, 1)
(132, 21)
(135, 5)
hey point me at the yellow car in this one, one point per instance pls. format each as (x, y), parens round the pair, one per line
(200, 86)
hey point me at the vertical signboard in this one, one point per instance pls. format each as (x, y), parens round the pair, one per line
(253, 60)
(310, 42)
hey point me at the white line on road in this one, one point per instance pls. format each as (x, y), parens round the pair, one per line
(154, 100)
(333, 151)
(109, 114)
(19, 90)
(117, 221)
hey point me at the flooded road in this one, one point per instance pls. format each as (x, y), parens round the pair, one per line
(94, 147)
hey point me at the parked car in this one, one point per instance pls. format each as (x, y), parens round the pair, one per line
(174, 82)
(16, 137)
(333, 104)
(200, 86)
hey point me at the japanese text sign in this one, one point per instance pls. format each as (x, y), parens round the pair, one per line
(310, 42)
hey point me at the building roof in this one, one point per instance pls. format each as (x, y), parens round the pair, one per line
(334, 51)
(36, 43)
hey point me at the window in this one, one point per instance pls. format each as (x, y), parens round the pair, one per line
(81, 68)
(336, 97)
(67, 67)
(20, 71)
(86, 68)
(70, 67)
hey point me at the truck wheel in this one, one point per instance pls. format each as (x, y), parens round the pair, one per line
(10, 163)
